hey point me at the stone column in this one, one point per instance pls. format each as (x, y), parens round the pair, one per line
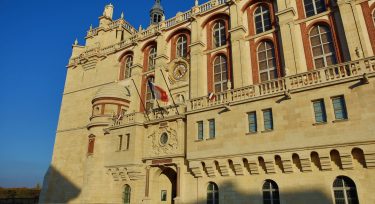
(241, 70)
(147, 186)
(178, 192)
(198, 61)
(352, 30)
(288, 43)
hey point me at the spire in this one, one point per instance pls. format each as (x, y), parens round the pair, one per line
(156, 13)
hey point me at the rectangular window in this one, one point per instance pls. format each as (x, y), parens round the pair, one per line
(252, 118)
(268, 120)
(120, 143)
(200, 130)
(127, 141)
(211, 128)
(319, 111)
(123, 142)
(339, 108)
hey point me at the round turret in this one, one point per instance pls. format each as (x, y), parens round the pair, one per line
(110, 100)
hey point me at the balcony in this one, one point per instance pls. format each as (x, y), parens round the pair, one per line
(155, 116)
(359, 69)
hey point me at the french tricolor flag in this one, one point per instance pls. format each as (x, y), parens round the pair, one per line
(211, 96)
(157, 92)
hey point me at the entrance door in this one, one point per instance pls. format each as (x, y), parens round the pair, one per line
(167, 181)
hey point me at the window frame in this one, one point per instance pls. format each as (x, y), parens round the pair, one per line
(262, 14)
(344, 187)
(343, 107)
(215, 193)
(151, 63)
(148, 95)
(249, 122)
(181, 47)
(269, 69)
(128, 66)
(127, 194)
(224, 78)
(268, 110)
(321, 44)
(200, 130)
(273, 191)
(316, 112)
(211, 129)
(91, 145)
(314, 4)
(219, 39)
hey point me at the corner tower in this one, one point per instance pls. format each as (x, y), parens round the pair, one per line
(156, 13)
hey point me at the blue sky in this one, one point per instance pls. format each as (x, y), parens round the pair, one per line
(35, 45)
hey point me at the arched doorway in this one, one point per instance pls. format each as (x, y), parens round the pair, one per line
(164, 186)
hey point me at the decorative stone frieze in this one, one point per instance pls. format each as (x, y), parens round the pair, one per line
(126, 172)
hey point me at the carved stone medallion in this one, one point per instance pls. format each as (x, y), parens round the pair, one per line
(164, 141)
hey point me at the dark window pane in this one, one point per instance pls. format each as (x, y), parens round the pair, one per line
(319, 63)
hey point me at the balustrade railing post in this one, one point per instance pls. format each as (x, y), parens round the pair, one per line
(362, 67)
(322, 74)
(287, 84)
(257, 90)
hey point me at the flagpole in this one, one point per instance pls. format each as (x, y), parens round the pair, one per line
(149, 83)
(169, 91)
(140, 98)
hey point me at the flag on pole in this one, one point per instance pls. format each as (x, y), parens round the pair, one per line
(211, 96)
(157, 92)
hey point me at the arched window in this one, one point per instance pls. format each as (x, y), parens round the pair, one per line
(220, 73)
(127, 193)
(262, 19)
(212, 193)
(313, 7)
(128, 66)
(345, 191)
(182, 46)
(218, 33)
(149, 98)
(270, 192)
(151, 58)
(266, 61)
(322, 46)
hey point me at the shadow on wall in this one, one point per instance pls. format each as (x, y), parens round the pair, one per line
(57, 188)
(228, 193)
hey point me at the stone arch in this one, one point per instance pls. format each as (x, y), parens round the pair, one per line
(297, 162)
(164, 184)
(315, 159)
(279, 163)
(358, 157)
(335, 159)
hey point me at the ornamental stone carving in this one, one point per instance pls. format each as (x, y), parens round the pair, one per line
(164, 141)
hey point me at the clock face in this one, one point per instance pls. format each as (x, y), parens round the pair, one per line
(179, 71)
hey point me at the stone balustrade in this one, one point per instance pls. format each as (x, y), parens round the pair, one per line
(331, 74)
(128, 119)
(155, 115)
(137, 35)
(166, 112)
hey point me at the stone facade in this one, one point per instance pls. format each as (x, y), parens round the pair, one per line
(266, 100)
